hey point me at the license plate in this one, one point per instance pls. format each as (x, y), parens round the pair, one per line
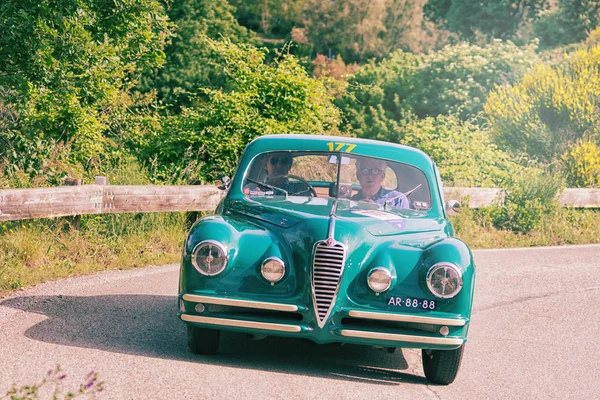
(411, 302)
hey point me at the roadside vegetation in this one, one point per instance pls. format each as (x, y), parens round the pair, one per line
(170, 92)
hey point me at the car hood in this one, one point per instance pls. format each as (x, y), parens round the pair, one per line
(286, 213)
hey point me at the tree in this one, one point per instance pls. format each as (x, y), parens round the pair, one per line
(578, 18)
(454, 80)
(271, 17)
(357, 30)
(190, 62)
(71, 65)
(207, 138)
(491, 18)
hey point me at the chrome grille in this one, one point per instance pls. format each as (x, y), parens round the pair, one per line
(328, 263)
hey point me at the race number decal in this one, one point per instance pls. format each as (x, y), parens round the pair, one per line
(340, 146)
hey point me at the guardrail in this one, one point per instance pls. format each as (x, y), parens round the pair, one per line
(18, 204)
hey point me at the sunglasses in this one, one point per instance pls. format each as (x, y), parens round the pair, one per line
(372, 171)
(283, 160)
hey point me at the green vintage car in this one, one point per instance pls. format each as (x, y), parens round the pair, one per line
(331, 239)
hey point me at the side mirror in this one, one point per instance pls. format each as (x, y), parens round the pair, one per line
(452, 207)
(223, 184)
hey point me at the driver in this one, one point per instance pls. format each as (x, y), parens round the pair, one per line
(370, 173)
(278, 165)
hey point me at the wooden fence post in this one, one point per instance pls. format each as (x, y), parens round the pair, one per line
(75, 221)
(192, 216)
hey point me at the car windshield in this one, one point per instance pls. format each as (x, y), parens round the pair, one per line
(334, 175)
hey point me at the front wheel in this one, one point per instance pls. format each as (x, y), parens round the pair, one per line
(441, 366)
(203, 341)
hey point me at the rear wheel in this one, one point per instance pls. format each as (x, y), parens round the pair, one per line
(203, 341)
(441, 366)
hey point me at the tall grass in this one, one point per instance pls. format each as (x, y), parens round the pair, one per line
(561, 226)
(35, 251)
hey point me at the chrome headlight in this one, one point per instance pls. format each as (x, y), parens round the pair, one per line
(209, 257)
(444, 280)
(273, 269)
(379, 279)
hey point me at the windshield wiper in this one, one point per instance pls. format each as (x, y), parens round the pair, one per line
(269, 186)
(410, 191)
(400, 195)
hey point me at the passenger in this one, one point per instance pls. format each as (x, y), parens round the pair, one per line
(370, 173)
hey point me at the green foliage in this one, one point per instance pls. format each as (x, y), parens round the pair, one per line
(491, 18)
(372, 106)
(578, 17)
(68, 66)
(457, 79)
(271, 17)
(527, 198)
(568, 23)
(582, 164)
(550, 108)
(559, 227)
(358, 30)
(548, 28)
(454, 80)
(462, 151)
(206, 140)
(190, 59)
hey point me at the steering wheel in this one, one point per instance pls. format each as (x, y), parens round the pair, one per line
(309, 187)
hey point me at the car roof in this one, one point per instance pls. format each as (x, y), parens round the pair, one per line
(350, 145)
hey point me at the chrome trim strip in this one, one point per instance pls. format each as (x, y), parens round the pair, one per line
(241, 324)
(407, 318)
(401, 338)
(240, 303)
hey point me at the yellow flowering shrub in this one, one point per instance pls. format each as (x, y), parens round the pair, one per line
(582, 164)
(551, 108)
(593, 38)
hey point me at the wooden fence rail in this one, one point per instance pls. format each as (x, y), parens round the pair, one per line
(17, 204)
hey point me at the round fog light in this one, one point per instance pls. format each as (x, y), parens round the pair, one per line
(379, 279)
(273, 269)
(444, 331)
(199, 308)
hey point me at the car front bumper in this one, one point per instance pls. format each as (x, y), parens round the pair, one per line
(345, 325)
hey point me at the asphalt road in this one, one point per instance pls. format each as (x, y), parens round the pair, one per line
(534, 335)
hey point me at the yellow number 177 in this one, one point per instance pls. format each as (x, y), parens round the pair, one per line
(339, 146)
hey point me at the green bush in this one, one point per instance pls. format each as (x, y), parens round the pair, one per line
(526, 199)
(205, 141)
(189, 62)
(453, 80)
(463, 152)
(472, 19)
(457, 79)
(69, 67)
(550, 108)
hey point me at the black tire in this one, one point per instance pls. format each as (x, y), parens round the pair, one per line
(203, 341)
(441, 366)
